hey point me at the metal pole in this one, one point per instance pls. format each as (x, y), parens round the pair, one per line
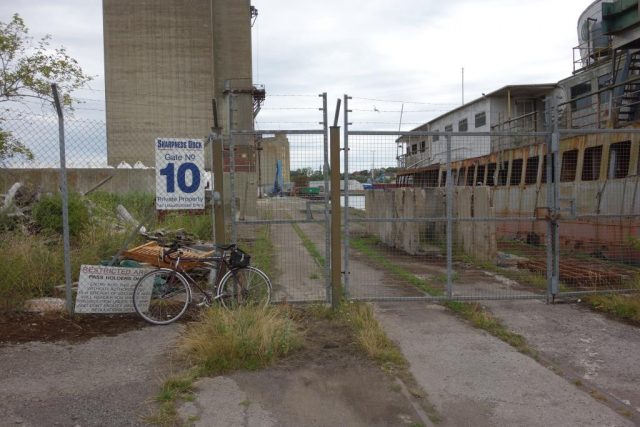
(232, 172)
(214, 135)
(549, 175)
(328, 248)
(346, 196)
(65, 200)
(336, 264)
(218, 189)
(555, 145)
(449, 213)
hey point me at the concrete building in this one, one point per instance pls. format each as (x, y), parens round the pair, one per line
(164, 62)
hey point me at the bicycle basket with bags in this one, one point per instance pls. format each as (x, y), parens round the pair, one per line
(238, 258)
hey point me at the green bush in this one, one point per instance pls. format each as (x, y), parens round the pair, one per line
(48, 214)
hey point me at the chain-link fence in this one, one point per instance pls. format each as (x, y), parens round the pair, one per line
(526, 212)
(483, 215)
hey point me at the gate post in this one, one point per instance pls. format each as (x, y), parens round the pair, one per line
(217, 193)
(549, 178)
(336, 253)
(449, 213)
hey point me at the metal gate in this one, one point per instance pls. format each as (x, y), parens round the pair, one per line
(467, 215)
(288, 236)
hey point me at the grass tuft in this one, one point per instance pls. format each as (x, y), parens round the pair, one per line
(246, 338)
(372, 339)
(482, 319)
(626, 307)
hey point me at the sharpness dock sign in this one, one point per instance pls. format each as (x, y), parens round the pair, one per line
(179, 174)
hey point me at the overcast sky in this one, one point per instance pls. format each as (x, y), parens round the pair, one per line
(405, 50)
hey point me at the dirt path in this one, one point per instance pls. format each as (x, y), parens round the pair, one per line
(106, 381)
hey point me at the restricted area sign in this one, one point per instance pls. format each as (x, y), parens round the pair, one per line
(179, 174)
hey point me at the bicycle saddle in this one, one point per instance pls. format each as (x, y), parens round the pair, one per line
(225, 247)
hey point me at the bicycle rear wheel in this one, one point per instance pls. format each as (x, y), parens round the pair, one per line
(161, 296)
(244, 286)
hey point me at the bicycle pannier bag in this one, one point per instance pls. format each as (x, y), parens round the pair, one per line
(239, 258)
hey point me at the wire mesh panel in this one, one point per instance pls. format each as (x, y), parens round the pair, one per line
(599, 207)
(285, 208)
(284, 204)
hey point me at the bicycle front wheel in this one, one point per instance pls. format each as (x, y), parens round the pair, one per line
(161, 296)
(243, 287)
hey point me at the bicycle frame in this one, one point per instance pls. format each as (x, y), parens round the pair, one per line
(222, 262)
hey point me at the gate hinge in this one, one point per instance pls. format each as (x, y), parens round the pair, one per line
(348, 149)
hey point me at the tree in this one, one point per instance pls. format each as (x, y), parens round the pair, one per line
(27, 70)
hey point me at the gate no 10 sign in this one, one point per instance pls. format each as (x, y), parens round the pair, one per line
(179, 170)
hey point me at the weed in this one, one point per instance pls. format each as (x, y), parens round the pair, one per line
(309, 245)
(245, 403)
(578, 383)
(416, 393)
(624, 306)
(372, 339)
(416, 425)
(314, 276)
(625, 412)
(395, 387)
(48, 214)
(443, 278)
(482, 319)
(245, 338)
(599, 396)
(167, 415)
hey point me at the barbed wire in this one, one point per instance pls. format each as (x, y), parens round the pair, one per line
(405, 102)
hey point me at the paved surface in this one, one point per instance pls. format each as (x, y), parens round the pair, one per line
(354, 395)
(106, 381)
(474, 379)
(599, 350)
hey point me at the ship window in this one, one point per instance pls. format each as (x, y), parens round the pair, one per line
(619, 157)
(491, 174)
(481, 119)
(516, 172)
(569, 165)
(480, 178)
(543, 179)
(591, 163)
(578, 90)
(443, 179)
(461, 177)
(423, 146)
(436, 137)
(470, 172)
(462, 125)
(414, 148)
(503, 173)
(531, 174)
(448, 128)
(454, 176)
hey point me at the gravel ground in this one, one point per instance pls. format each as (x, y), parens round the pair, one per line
(106, 381)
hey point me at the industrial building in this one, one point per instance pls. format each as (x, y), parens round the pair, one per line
(165, 60)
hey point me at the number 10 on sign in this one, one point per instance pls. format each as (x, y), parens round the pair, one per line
(179, 167)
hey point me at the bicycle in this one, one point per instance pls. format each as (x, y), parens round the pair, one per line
(163, 296)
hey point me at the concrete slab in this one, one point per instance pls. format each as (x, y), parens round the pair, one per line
(474, 379)
(599, 350)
